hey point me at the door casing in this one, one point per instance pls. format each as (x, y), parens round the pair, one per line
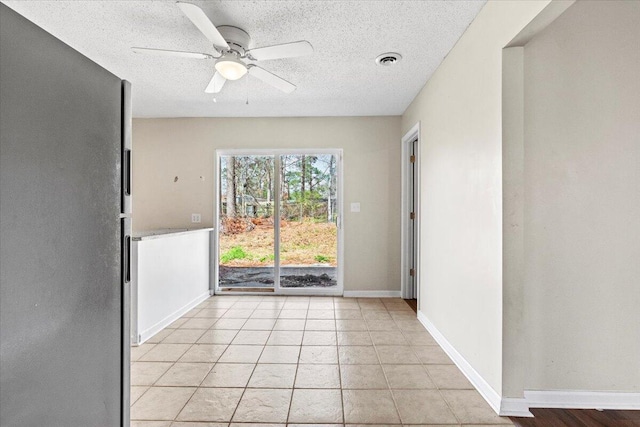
(406, 241)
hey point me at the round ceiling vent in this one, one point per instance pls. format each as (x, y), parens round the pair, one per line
(389, 58)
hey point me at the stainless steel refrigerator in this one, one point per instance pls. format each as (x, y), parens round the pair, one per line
(64, 233)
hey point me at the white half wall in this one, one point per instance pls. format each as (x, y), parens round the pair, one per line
(170, 276)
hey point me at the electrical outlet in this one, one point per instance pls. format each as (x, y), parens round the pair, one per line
(355, 207)
(196, 218)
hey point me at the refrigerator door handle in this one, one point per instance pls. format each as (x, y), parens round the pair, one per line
(126, 250)
(126, 268)
(127, 172)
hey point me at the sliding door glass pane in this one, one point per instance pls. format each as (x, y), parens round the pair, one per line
(308, 212)
(246, 229)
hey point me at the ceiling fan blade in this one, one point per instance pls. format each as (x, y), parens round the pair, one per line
(286, 50)
(272, 79)
(216, 83)
(174, 53)
(204, 24)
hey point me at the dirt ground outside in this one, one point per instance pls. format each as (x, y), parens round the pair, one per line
(250, 243)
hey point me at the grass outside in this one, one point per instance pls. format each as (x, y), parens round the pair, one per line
(302, 243)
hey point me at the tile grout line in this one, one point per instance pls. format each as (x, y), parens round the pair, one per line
(160, 377)
(173, 364)
(393, 396)
(335, 321)
(434, 383)
(244, 390)
(396, 321)
(375, 348)
(198, 387)
(255, 366)
(297, 364)
(295, 377)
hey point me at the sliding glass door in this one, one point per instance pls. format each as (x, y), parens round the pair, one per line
(279, 221)
(246, 226)
(308, 221)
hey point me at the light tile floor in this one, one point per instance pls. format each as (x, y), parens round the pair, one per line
(289, 361)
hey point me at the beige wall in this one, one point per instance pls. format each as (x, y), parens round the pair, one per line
(514, 344)
(185, 148)
(582, 200)
(576, 189)
(461, 184)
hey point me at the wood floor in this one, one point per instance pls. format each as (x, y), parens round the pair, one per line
(413, 303)
(579, 418)
(570, 417)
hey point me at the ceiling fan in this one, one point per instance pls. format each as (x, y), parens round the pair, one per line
(231, 45)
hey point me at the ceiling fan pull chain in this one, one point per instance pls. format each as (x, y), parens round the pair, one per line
(247, 84)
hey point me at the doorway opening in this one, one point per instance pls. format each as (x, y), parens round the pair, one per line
(410, 213)
(278, 221)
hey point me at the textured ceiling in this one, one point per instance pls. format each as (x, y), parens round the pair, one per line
(341, 78)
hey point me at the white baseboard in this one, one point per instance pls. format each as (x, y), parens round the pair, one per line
(519, 407)
(150, 332)
(514, 407)
(488, 393)
(582, 400)
(371, 294)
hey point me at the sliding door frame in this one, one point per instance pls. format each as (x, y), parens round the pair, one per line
(277, 153)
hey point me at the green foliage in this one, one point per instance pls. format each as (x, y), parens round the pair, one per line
(322, 258)
(307, 187)
(306, 197)
(234, 253)
(270, 257)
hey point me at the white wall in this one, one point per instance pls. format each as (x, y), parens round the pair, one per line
(582, 200)
(185, 148)
(461, 185)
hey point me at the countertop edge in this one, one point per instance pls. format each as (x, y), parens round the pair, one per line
(163, 234)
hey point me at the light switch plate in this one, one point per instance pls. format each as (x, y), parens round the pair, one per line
(196, 218)
(355, 207)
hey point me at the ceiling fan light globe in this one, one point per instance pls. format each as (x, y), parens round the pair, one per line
(231, 68)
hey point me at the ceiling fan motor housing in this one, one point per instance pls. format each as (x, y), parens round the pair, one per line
(237, 38)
